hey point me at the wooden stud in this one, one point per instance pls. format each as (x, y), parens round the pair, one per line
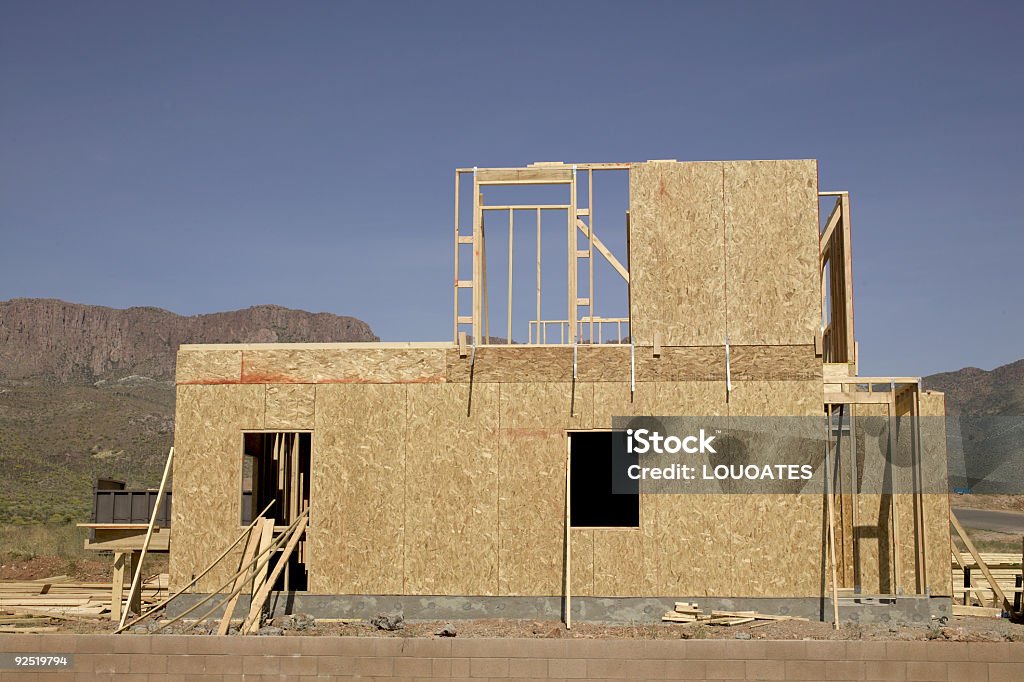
(266, 541)
(508, 334)
(538, 275)
(458, 240)
(243, 576)
(890, 410)
(476, 315)
(848, 279)
(572, 268)
(463, 351)
(604, 250)
(117, 586)
(260, 597)
(657, 344)
(568, 532)
(590, 249)
(831, 521)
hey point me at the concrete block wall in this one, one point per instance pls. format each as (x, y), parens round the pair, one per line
(181, 658)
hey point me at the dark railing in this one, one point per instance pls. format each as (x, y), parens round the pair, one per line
(112, 503)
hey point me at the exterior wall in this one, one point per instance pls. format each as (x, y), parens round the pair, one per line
(458, 488)
(724, 248)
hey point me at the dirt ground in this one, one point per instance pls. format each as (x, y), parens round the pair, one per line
(15, 567)
(1013, 503)
(958, 629)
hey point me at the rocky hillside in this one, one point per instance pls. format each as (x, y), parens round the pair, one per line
(87, 391)
(71, 343)
(976, 392)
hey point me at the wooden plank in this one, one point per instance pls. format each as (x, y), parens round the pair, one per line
(255, 537)
(604, 250)
(266, 539)
(369, 364)
(500, 176)
(1008, 605)
(851, 398)
(260, 597)
(117, 586)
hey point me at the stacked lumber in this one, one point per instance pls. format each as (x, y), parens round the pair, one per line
(690, 612)
(62, 598)
(1005, 568)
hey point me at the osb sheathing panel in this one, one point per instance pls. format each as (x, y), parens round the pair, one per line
(776, 530)
(451, 490)
(209, 367)
(207, 477)
(680, 537)
(583, 562)
(677, 253)
(497, 364)
(524, 364)
(533, 451)
(751, 363)
(290, 406)
(771, 216)
(357, 490)
(936, 505)
(348, 366)
(618, 556)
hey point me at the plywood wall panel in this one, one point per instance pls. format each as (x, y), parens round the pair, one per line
(618, 562)
(373, 364)
(533, 451)
(290, 406)
(515, 364)
(677, 253)
(583, 562)
(208, 367)
(206, 516)
(357, 490)
(451, 485)
(784, 529)
(688, 363)
(936, 499)
(752, 363)
(771, 216)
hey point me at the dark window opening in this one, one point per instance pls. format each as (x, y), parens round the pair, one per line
(275, 467)
(601, 493)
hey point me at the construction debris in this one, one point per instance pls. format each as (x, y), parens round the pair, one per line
(31, 605)
(690, 612)
(388, 621)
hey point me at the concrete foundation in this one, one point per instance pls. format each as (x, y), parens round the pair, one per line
(918, 610)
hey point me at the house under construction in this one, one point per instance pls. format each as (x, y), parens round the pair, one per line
(445, 478)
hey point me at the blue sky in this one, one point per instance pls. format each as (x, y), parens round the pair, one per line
(210, 156)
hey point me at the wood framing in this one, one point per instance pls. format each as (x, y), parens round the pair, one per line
(443, 468)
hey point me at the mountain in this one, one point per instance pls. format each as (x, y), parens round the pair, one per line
(88, 391)
(976, 392)
(71, 343)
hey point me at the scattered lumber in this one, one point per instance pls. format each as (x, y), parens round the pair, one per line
(982, 611)
(59, 597)
(690, 612)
